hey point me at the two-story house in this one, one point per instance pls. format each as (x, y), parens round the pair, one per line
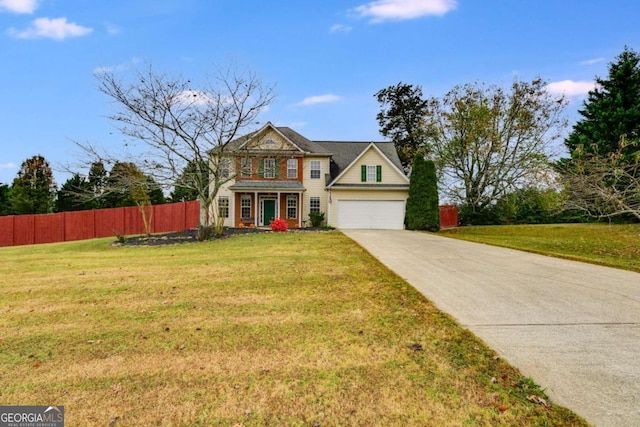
(278, 173)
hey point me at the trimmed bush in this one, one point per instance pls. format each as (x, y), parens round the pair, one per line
(279, 225)
(423, 211)
(317, 218)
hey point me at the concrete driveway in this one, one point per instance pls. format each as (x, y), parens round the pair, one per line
(573, 327)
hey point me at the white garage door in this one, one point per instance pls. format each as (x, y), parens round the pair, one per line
(371, 214)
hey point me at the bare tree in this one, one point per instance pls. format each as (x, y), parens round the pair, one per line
(604, 185)
(488, 141)
(180, 124)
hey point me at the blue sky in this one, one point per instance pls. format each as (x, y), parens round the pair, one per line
(326, 58)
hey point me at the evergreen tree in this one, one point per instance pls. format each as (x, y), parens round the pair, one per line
(71, 195)
(5, 199)
(33, 190)
(611, 112)
(423, 211)
(185, 187)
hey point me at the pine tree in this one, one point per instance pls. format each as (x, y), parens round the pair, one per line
(611, 112)
(423, 212)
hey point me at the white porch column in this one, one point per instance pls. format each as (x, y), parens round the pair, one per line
(255, 208)
(301, 210)
(278, 207)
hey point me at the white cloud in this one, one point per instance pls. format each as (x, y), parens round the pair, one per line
(399, 10)
(58, 29)
(592, 61)
(7, 165)
(112, 29)
(571, 88)
(18, 6)
(319, 99)
(339, 28)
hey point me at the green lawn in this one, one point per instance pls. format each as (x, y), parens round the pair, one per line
(296, 329)
(616, 245)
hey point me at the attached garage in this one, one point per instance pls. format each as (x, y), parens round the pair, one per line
(371, 214)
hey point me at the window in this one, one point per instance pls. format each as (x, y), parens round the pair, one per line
(292, 168)
(315, 169)
(292, 207)
(314, 205)
(223, 206)
(269, 168)
(269, 141)
(246, 165)
(371, 173)
(245, 206)
(225, 166)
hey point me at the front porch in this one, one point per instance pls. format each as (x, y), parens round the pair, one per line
(257, 203)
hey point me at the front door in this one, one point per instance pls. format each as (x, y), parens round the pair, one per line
(268, 211)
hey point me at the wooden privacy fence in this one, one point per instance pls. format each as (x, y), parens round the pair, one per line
(448, 216)
(80, 225)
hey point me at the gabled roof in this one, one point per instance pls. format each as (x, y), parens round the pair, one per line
(346, 152)
(299, 141)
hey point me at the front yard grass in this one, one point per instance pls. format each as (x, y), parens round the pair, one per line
(616, 245)
(296, 329)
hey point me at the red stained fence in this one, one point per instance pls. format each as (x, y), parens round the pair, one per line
(448, 216)
(81, 225)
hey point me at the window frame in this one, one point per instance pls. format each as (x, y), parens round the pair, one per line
(225, 168)
(292, 206)
(269, 172)
(245, 198)
(371, 173)
(312, 201)
(312, 169)
(223, 206)
(246, 167)
(292, 166)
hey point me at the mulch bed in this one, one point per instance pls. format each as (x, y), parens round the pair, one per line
(191, 236)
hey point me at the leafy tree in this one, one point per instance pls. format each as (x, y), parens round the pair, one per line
(488, 141)
(127, 185)
(33, 190)
(423, 211)
(5, 199)
(611, 111)
(70, 196)
(401, 117)
(179, 123)
(605, 185)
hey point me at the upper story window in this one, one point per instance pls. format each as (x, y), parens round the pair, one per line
(269, 168)
(315, 169)
(225, 168)
(371, 173)
(246, 166)
(269, 141)
(292, 168)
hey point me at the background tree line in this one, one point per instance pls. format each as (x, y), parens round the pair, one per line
(495, 149)
(33, 190)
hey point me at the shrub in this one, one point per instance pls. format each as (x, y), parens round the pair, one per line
(423, 212)
(204, 233)
(279, 225)
(317, 218)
